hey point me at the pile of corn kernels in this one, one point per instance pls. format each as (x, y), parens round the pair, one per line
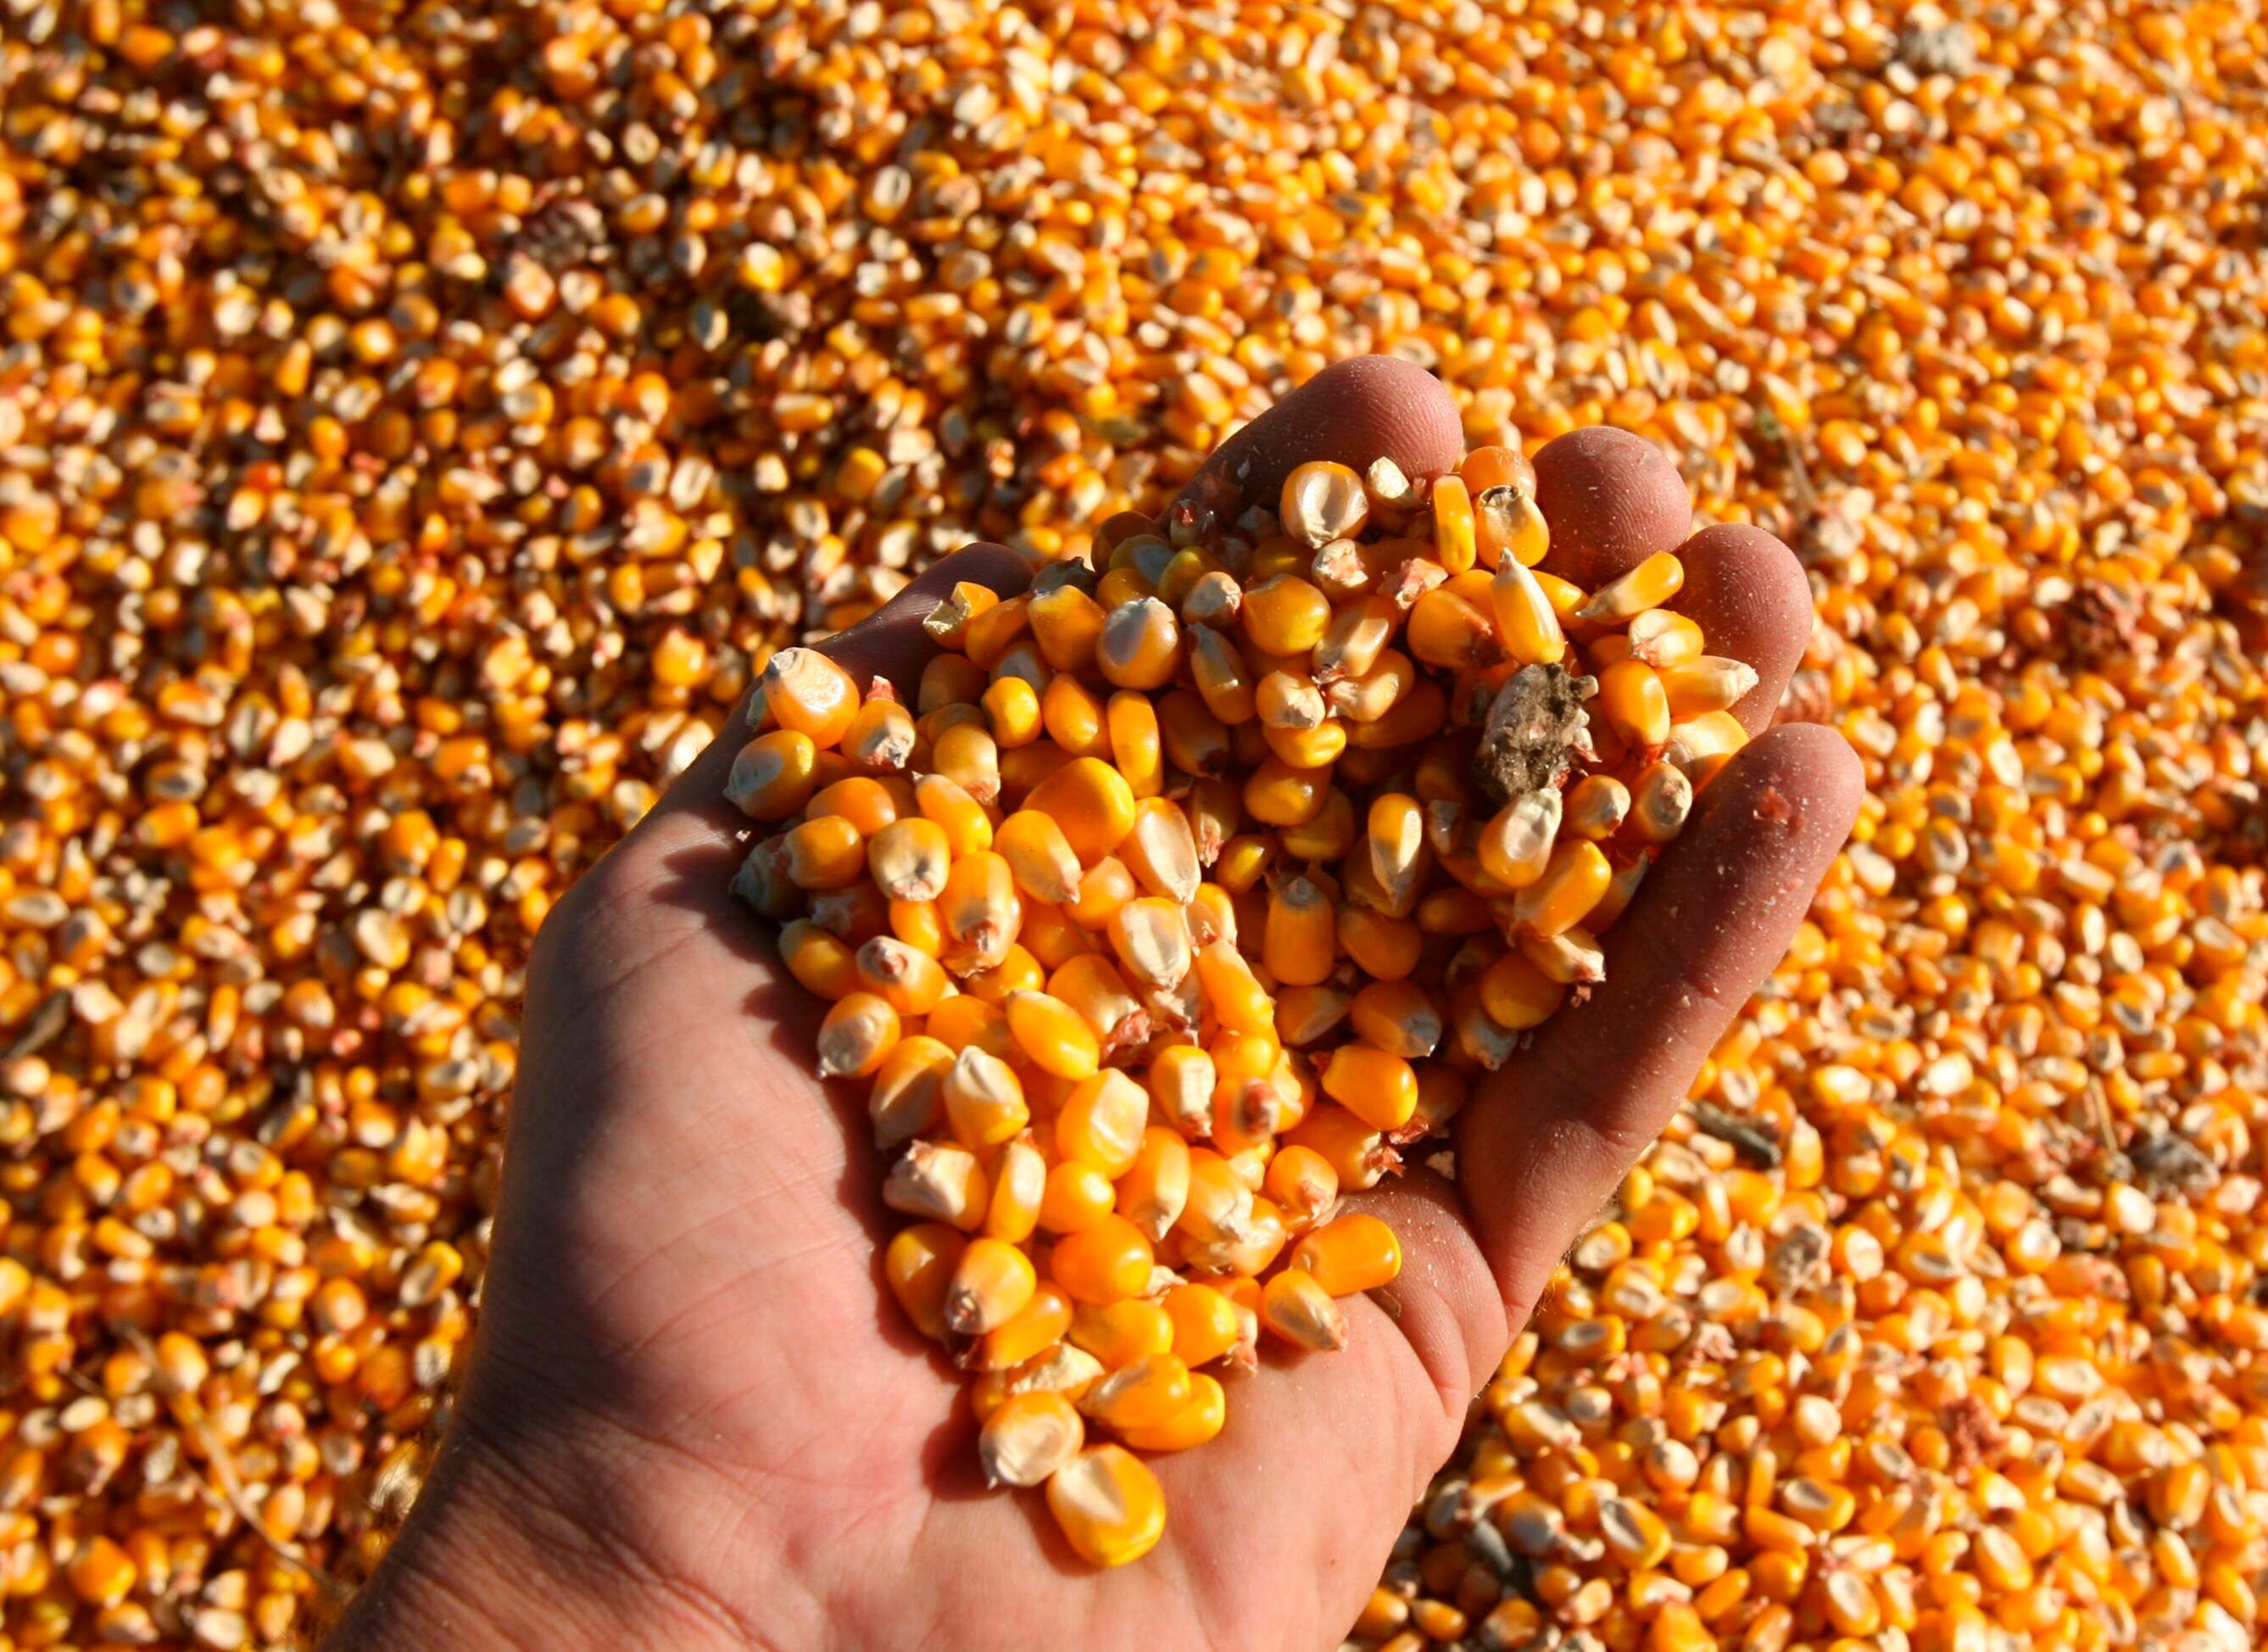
(418, 424)
(1144, 810)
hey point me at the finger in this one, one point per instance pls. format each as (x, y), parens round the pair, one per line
(1352, 412)
(888, 643)
(1612, 499)
(1749, 596)
(1548, 1137)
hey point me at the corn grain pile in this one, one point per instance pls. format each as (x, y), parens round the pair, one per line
(418, 423)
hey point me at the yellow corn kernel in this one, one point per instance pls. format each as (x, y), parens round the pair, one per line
(947, 805)
(1663, 639)
(1571, 957)
(1595, 807)
(825, 853)
(1067, 625)
(1399, 1017)
(1510, 529)
(1137, 747)
(1017, 971)
(1295, 1307)
(858, 1032)
(1354, 1252)
(1074, 718)
(967, 754)
(1277, 794)
(990, 634)
(1515, 846)
(1078, 1195)
(1052, 1036)
(1195, 741)
(1526, 624)
(1161, 852)
(1517, 995)
(1632, 702)
(1299, 941)
(1379, 1088)
(906, 1099)
(806, 691)
(1181, 1080)
(1649, 584)
(1151, 939)
(1028, 1439)
(881, 737)
(983, 1100)
(947, 622)
(1708, 683)
(1044, 1322)
(1322, 501)
(1199, 1419)
(1231, 990)
(1108, 1262)
(1102, 1121)
(1092, 986)
(1574, 882)
(1356, 1153)
(1204, 1322)
(818, 960)
(1156, 1186)
(939, 1183)
(1140, 646)
(1455, 531)
(1305, 1015)
(919, 1265)
(1448, 632)
(1038, 856)
(909, 981)
(1325, 836)
(1355, 639)
(964, 1021)
(908, 860)
(1224, 682)
(1661, 798)
(1119, 1333)
(1092, 803)
(1019, 1184)
(1285, 615)
(1109, 1505)
(1701, 745)
(991, 1284)
(774, 774)
(980, 910)
(1384, 945)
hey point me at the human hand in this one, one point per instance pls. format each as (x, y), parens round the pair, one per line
(694, 1417)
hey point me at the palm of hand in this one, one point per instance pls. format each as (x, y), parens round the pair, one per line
(688, 1366)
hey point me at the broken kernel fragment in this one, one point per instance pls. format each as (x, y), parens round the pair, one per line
(1198, 885)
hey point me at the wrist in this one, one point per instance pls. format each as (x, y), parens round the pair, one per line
(492, 1556)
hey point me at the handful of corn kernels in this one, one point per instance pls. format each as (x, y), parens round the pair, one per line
(1193, 888)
